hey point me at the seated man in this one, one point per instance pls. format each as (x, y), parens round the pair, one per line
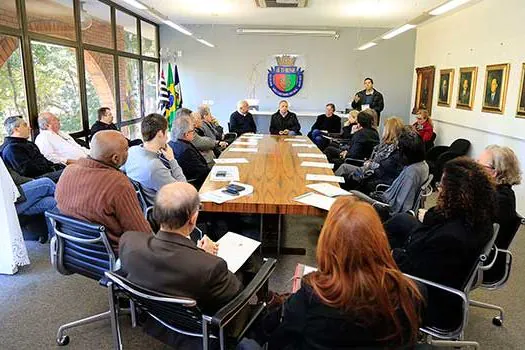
(206, 145)
(22, 155)
(325, 123)
(241, 121)
(105, 122)
(188, 156)
(284, 122)
(153, 164)
(55, 145)
(210, 125)
(94, 189)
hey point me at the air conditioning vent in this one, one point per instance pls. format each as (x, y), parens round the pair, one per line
(281, 3)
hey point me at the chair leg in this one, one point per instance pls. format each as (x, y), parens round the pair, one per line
(498, 320)
(115, 326)
(454, 343)
(204, 335)
(133, 313)
(64, 339)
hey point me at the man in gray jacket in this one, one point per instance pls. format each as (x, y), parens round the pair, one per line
(153, 164)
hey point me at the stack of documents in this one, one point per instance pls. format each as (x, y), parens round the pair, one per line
(328, 189)
(232, 173)
(236, 249)
(316, 200)
(219, 197)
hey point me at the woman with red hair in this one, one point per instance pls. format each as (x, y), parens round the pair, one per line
(358, 297)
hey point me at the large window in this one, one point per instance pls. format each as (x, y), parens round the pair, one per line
(72, 57)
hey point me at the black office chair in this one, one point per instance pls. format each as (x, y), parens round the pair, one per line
(452, 335)
(437, 156)
(430, 143)
(81, 247)
(183, 315)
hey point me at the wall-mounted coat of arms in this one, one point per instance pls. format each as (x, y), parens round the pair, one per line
(285, 79)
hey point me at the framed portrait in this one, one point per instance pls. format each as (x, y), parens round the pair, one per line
(495, 88)
(466, 87)
(521, 96)
(424, 89)
(446, 84)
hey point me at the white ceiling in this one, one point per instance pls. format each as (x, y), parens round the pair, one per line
(319, 13)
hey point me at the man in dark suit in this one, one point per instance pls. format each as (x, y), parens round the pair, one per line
(284, 122)
(191, 161)
(369, 98)
(493, 97)
(241, 121)
(105, 122)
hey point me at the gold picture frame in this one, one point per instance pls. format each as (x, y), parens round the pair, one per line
(495, 88)
(521, 97)
(466, 87)
(424, 89)
(445, 87)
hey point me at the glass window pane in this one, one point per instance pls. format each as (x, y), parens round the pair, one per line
(95, 21)
(8, 13)
(149, 39)
(129, 88)
(56, 78)
(132, 131)
(12, 90)
(51, 17)
(100, 83)
(150, 69)
(127, 38)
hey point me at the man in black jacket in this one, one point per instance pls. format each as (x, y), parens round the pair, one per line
(369, 98)
(325, 123)
(241, 121)
(284, 122)
(22, 155)
(105, 122)
(191, 161)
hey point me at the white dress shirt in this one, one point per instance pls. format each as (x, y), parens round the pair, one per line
(59, 147)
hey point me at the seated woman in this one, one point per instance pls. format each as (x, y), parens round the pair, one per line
(358, 297)
(284, 122)
(443, 243)
(423, 125)
(350, 126)
(504, 167)
(384, 164)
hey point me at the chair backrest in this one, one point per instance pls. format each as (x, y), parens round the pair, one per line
(80, 247)
(424, 191)
(459, 147)
(140, 195)
(179, 314)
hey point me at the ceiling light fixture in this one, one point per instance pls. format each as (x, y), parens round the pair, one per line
(398, 31)
(177, 27)
(448, 6)
(202, 41)
(287, 31)
(136, 4)
(366, 46)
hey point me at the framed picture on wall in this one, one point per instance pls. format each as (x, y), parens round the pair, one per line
(446, 85)
(521, 96)
(424, 89)
(495, 88)
(466, 87)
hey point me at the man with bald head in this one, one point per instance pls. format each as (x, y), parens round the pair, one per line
(56, 145)
(170, 262)
(241, 121)
(94, 189)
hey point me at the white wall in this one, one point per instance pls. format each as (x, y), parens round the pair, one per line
(485, 33)
(334, 69)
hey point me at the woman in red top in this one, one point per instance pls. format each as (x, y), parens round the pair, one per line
(423, 125)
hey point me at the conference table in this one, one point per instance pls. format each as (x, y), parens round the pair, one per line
(277, 176)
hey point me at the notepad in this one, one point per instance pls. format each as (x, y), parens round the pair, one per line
(327, 178)
(303, 145)
(316, 200)
(328, 189)
(231, 173)
(311, 155)
(242, 143)
(236, 249)
(245, 150)
(300, 271)
(230, 161)
(296, 140)
(219, 197)
(317, 165)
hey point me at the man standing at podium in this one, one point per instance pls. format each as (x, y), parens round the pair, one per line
(369, 98)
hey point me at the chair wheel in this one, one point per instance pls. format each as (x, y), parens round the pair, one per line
(63, 341)
(497, 321)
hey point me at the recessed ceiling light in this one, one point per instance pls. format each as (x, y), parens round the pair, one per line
(136, 4)
(177, 27)
(447, 7)
(366, 46)
(398, 31)
(202, 41)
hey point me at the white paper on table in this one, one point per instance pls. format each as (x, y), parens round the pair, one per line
(316, 200)
(247, 143)
(246, 150)
(317, 165)
(311, 155)
(328, 178)
(230, 161)
(308, 269)
(251, 135)
(296, 140)
(236, 249)
(232, 173)
(328, 189)
(303, 145)
(219, 197)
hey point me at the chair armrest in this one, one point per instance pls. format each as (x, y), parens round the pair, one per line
(447, 289)
(229, 311)
(382, 187)
(372, 201)
(435, 152)
(354, 161)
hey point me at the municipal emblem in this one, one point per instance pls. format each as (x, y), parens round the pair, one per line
(285, 79)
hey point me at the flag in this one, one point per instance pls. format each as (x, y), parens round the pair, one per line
(164, 95)
(178, 90)
(171, 108)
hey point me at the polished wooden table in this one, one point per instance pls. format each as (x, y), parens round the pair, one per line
(277, 176)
